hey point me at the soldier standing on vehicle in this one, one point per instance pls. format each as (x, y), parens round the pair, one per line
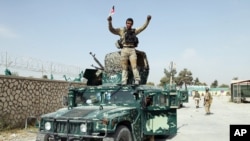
(207, 101)
(197, 99)
(127, 43)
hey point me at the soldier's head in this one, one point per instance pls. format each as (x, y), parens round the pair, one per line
(129, 23)
(207, 89)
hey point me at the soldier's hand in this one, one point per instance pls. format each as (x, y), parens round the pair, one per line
(109, 19)
(149, 18)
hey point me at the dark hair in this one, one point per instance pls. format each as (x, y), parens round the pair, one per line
(130, 19)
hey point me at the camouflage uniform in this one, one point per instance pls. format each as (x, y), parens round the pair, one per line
(207, 101)
(128, 51)
(197, 99)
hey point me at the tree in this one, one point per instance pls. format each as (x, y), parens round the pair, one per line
(223, 86)
(166, 79)
(45, 77)
(214, 84)
(235, 78)
(184, 76)
(196, 81)
(203, 84)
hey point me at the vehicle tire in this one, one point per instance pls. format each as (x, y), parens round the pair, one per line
(122, 134)
(181, 105)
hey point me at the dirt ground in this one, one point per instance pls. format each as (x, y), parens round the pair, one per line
(192, 124)
(28, 134)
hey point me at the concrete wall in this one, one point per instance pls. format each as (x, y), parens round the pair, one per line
(21, 97)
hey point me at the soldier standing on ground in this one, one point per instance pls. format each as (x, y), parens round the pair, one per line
(128, 42)
(207, 101)
(197, 99)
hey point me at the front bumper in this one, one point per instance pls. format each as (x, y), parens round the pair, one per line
(50, 137)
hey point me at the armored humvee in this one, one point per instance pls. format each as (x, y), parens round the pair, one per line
(104, 110)
(182, 94)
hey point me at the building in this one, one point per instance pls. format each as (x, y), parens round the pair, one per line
(240, 91)
(213, 91)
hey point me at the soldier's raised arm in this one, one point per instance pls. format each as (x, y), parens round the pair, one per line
(144, 26)
(113, 30)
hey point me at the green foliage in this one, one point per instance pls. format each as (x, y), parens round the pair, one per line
(223, 86)
(203, 84)
(184, 77)
(214, 84)
(7, 72)
(45, 77)
(235, 78)
(198, 83)
(164, 80)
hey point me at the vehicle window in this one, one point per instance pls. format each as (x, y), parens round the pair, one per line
(109, 97)
(79, 99)
(122, 97)
(87, 98)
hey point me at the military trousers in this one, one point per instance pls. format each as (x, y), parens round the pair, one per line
(129, 54)
(197, 101)
(207, 108)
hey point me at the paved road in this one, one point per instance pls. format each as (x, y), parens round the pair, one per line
(192, 123)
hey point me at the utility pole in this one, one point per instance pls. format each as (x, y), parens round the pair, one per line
(171, 67)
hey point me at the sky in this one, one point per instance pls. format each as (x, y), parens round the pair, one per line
(208, 37)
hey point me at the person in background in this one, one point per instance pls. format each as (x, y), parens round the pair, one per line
(197, 99)
(207, 101)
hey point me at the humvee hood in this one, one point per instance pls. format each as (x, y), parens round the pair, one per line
(89, 112)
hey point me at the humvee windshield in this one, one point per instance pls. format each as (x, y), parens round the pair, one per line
(112, 97)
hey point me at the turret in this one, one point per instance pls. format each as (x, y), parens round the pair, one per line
(112, 71)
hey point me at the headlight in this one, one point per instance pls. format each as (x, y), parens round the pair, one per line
(83, 127)
(47, 125)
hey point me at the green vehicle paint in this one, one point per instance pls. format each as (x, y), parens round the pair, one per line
(108, 111)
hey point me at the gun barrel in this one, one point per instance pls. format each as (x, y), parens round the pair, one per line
(97, 61)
